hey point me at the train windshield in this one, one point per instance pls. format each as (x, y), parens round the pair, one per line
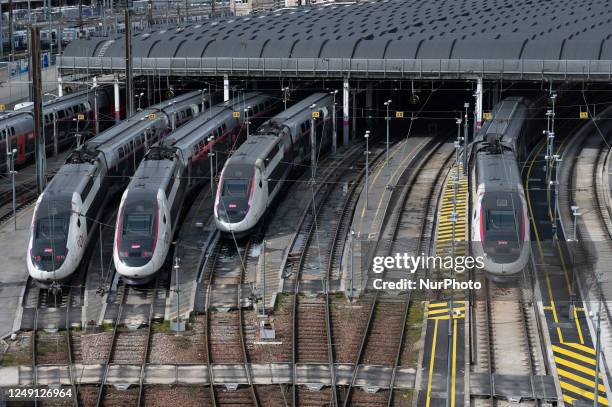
(138, 224)
(501, 220)
(52, 228)
(237, 188)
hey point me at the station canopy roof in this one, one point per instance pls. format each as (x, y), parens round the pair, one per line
(410, 30)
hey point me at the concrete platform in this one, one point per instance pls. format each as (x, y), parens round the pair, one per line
(14, 272)
(369, 215)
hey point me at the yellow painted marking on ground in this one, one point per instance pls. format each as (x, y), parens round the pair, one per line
(552, 304)
(581, 392)
(573, 355)
(432, 358)
(567, 399)
(580, 379)
(445, 317)
(444, 310)
(575, 366)
(444, 303)
(583, 348)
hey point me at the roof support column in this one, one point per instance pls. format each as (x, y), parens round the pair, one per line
(478, 96)
(60, 88)
(354, 128)
(345, 112)
(117, 103)
(225, 88)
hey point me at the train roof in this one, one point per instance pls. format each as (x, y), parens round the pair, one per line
(68, 179)
(298, 108)
(499, 171)
(507, 115)
(140, 121)
(252, 149)
(150, 175)
(191, 133)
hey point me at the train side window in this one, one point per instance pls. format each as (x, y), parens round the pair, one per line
(61, 114)
(87, 189)
(169, 187)
(13, 131)
(271, 155)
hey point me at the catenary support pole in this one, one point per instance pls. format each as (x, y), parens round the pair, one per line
(96, 111)
(39, 136)
(369, 104)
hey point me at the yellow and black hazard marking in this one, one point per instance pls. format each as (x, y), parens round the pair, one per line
(457, 203)
(576, 369)
(441, 310)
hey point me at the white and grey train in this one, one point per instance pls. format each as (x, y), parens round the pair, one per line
(152, 204)
(67, 211)
(60, 118)
(500, 222)
(253, 176)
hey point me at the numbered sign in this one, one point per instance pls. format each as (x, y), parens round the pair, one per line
(399, 115)
(584, 115)
(2, 108)
(236, 114)
(315, 115)
(487, 115)
(80, 116)
(151, 116)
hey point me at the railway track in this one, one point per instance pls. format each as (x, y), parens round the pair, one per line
(507, 335)
(310, 259)
(588, 187)
(225, 338)
(130, 341)
(382, 340)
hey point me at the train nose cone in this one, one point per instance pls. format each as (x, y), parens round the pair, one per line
(135, 254)
(232, 210)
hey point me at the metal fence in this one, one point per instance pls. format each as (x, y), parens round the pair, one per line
(525, 69)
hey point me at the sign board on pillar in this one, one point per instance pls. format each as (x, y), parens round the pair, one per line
(315, 115)
(80, 116)
(584, 115)
(236, 114)
(487, 115)
(151, 116)
(399, 115)
(2, 107)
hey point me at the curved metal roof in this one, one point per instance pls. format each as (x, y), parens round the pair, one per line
(388, 29)
(529, 29)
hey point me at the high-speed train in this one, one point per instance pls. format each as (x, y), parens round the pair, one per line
(59, 116)
(66, 212)
(253, 176)
(500, 222)
(152, 204)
